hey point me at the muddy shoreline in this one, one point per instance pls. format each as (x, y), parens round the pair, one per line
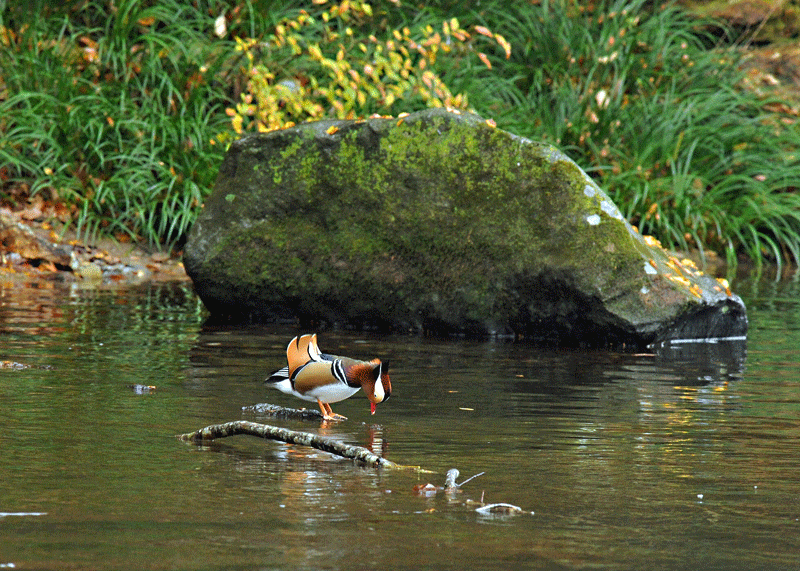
(40, 249)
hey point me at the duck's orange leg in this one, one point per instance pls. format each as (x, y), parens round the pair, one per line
(327, 413)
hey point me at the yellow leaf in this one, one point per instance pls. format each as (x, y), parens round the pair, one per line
(651, 241)
(504, 44)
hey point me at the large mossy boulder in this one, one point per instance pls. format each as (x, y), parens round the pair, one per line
(438, 221)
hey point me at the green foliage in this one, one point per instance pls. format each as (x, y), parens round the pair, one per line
(122, 108)
(637, 98)
(339, 63)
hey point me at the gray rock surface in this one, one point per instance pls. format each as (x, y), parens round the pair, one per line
(439, 222)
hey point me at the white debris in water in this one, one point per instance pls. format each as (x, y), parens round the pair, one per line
(700, 497)
(644, 290)
(21, 514)
(705, 340)
(500, 509)
(593, 219)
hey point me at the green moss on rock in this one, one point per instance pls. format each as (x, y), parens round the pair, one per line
(435, 221)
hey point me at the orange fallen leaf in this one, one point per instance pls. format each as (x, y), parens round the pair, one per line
(425, 489)
(48, 266)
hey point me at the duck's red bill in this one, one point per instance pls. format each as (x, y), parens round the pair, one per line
(372, 408)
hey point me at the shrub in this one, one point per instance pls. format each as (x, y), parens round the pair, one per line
(339, 63)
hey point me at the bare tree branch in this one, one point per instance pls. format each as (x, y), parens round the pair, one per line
(267, 431)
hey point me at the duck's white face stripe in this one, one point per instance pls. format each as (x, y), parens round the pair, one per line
(379, 392)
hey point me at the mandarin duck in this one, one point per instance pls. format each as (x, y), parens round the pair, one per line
(316, 376)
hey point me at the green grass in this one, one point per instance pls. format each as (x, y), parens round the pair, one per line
(125, 135)
(647, 104)
(646, 100)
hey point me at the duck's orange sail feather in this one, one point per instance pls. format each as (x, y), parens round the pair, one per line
(300, 351)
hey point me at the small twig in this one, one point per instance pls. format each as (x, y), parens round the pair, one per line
(761, 24)
(470, 478)
(450, 483)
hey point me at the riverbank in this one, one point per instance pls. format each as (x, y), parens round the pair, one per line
(44, 249)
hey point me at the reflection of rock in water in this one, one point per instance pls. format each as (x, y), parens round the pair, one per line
(703, 362)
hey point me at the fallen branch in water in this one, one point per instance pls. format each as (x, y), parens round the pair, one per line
(291, 437)
(358, 453)
(276, 411)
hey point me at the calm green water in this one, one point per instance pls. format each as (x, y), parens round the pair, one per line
(688, 458)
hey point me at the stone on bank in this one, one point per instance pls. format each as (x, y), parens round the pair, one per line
(438, 222)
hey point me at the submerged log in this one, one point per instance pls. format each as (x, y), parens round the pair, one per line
(269, 432)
